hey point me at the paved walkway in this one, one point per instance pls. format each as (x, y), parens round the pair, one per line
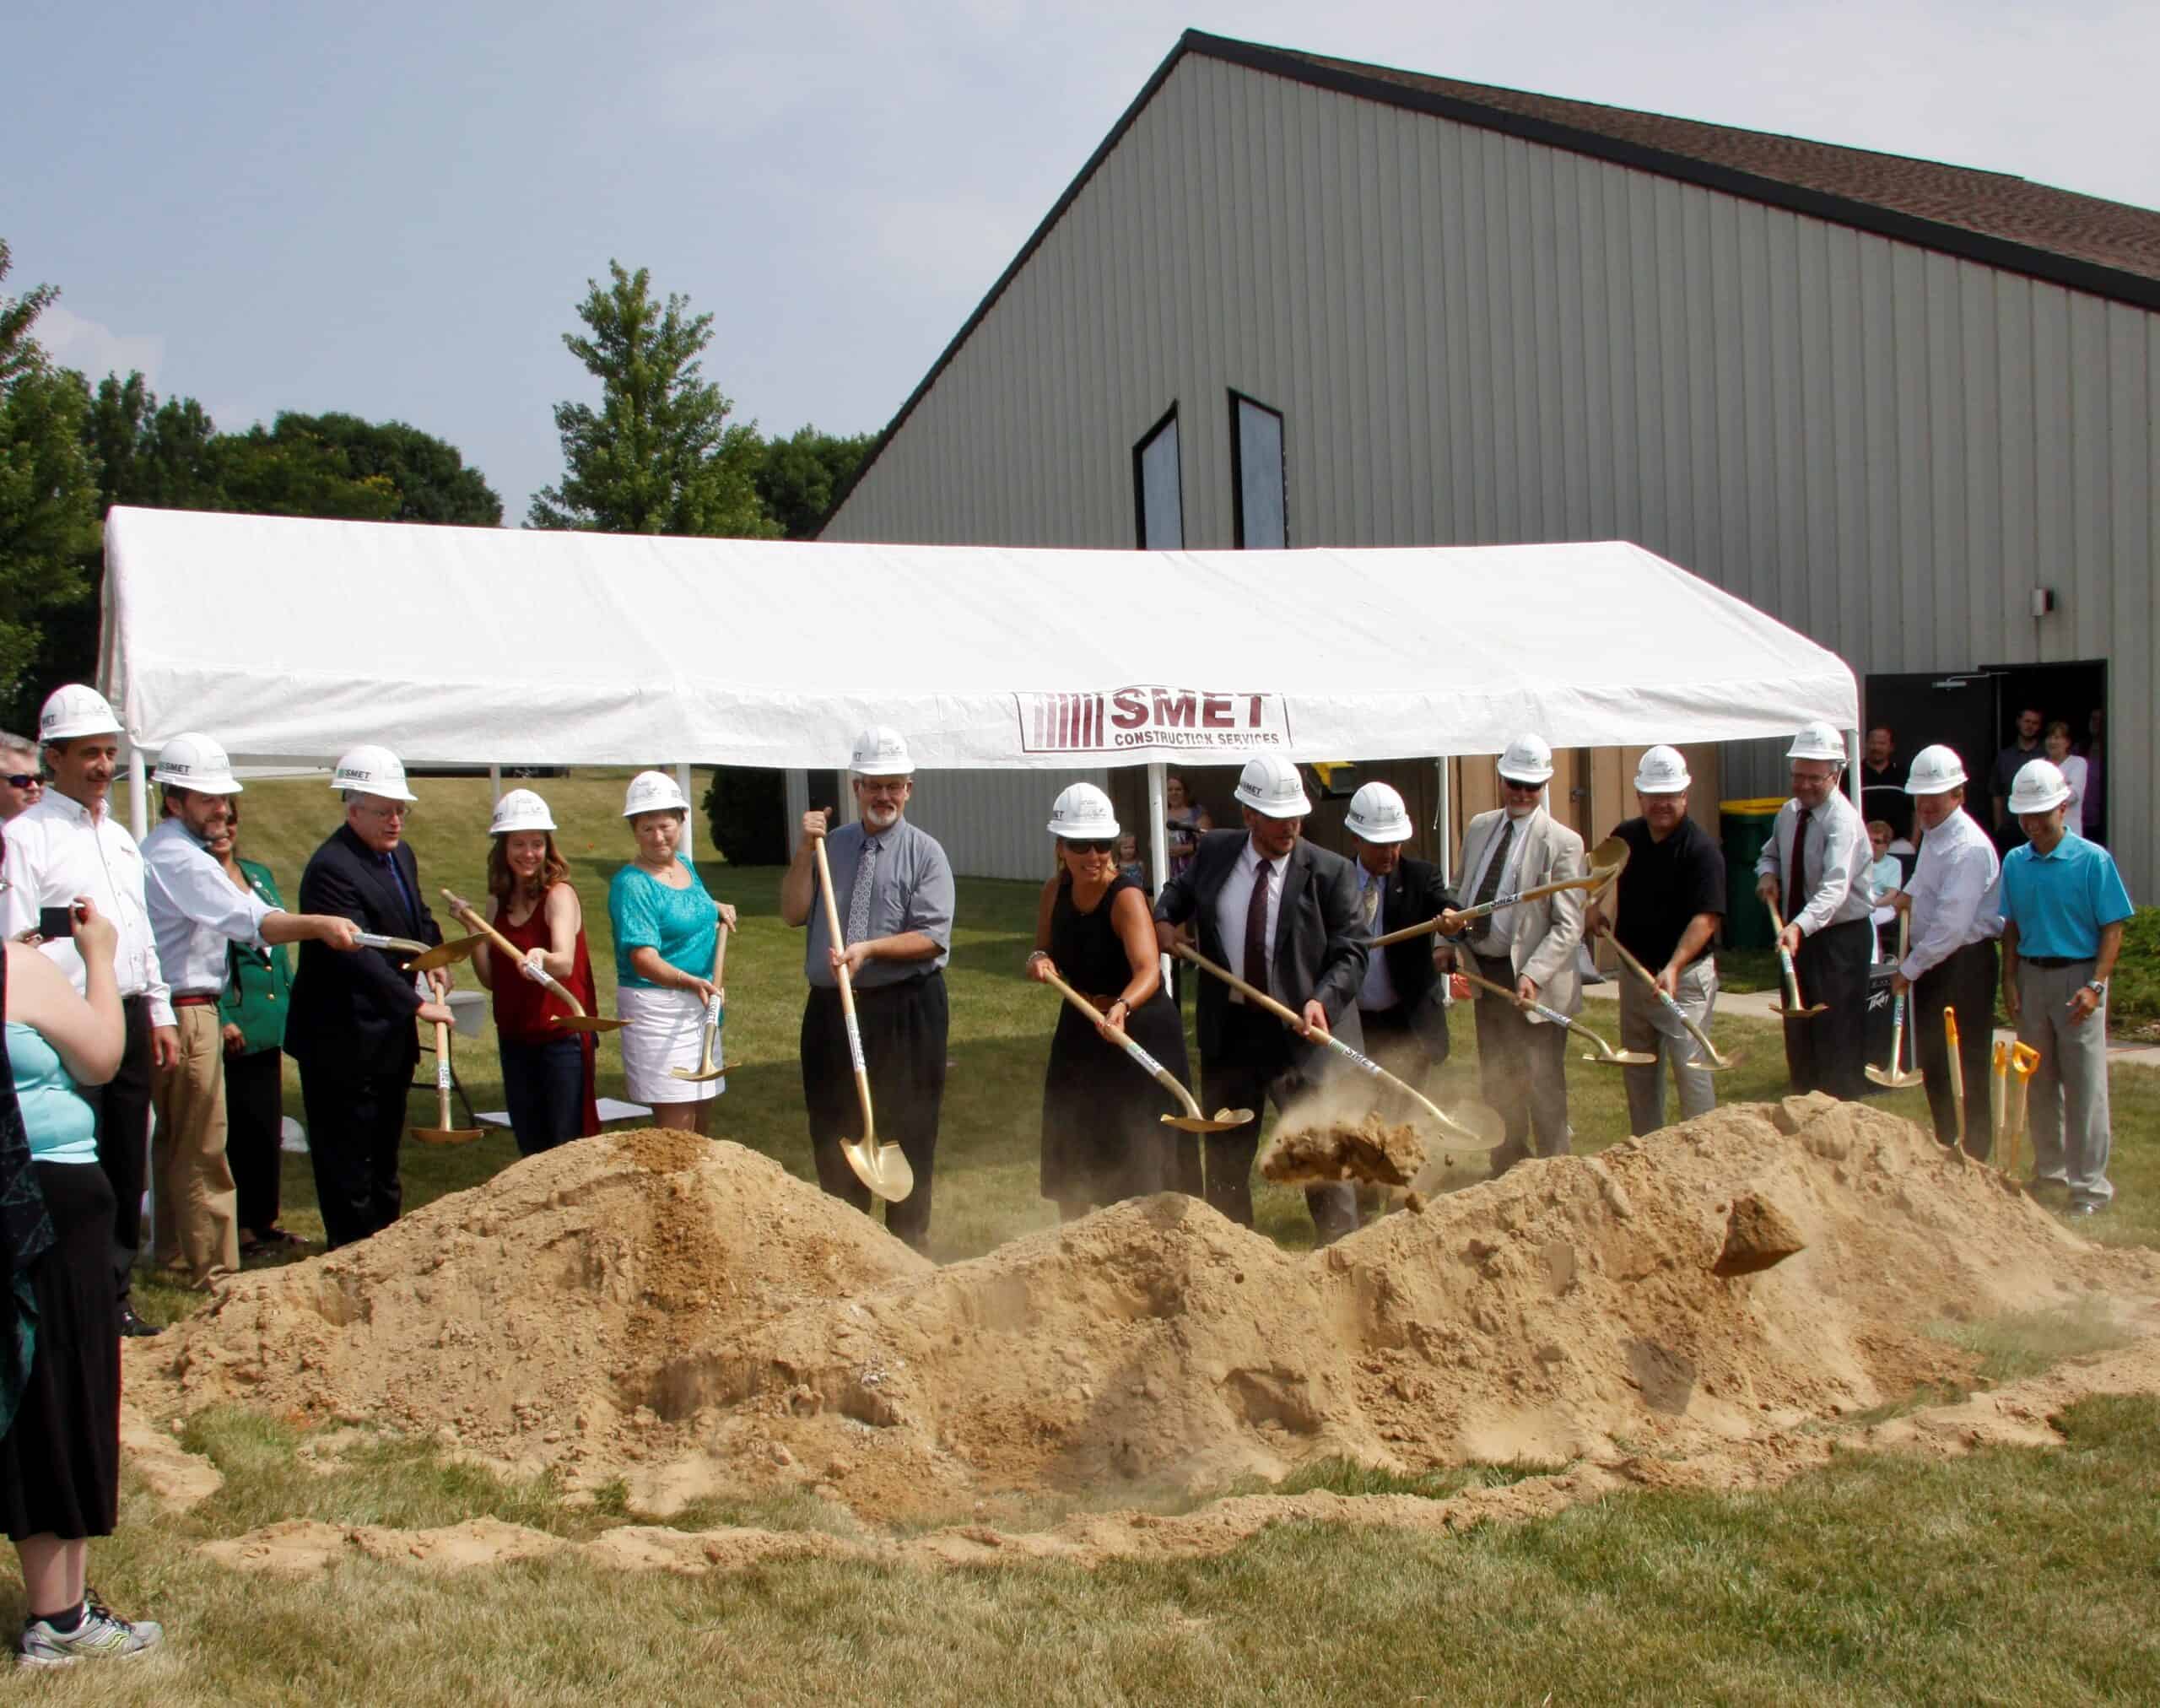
(1758, 1005)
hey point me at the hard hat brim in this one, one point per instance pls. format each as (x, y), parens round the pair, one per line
(1663, 786)
(1300, 808)
(200, 786)
(1535, 779)
(1380, 836)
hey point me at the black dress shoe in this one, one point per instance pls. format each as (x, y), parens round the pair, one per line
(133, 1327)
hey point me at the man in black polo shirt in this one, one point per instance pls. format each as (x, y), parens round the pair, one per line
(1883, 784)
(1670, 897)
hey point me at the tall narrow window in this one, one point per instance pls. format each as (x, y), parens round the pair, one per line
(1257, 477)
(1158, 488)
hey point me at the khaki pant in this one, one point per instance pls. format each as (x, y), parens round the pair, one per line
(198, 1222)
(1649, 1027)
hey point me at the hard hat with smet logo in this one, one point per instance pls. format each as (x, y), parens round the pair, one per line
(2039, 787)
(1083, 813)
(76, 710)
(1662, 770)
(191, 760)
(881, 751)
(373, 771)
(1272, 787)
(649, 791)
(1377, 815)
(1817, 741)
(520, 809)
(1528, 760)
(1937, 771)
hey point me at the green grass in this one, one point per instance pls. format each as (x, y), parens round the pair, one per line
(2008, 1575)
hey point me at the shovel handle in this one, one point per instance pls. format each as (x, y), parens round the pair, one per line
(1161, 1075)
(375, 939)
(1957, 1074)
(465, 910)
(1702, 1038)
(442, 1074)
(1785, 959)
(847, 995)
(1594, 880)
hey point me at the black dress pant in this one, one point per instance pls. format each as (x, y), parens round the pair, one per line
(906, 1028)
(355, 1125)
(254, 1120)
(1251, 1068)
(1963, 981)
(122, 1104)
(1828, 1052)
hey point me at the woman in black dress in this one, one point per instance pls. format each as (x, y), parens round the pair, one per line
(1102, 1135)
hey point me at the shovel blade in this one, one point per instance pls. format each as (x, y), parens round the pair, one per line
(1895, 1082)
(443, 954)
(588, 1023)
(880, 1167)
(447, 1135)
(1779, 1008)
(1224, 1120)
(1620, 1058)
(1481, 1121)
(696, 1079)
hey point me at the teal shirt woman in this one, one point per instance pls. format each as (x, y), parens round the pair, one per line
(682, 924)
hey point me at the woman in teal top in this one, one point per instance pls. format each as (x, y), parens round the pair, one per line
(667, 947)
(258, 990)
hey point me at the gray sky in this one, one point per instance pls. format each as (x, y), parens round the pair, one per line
(392, 209)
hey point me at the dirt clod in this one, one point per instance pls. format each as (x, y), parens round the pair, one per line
(1759, 1235)
(1376, 1151)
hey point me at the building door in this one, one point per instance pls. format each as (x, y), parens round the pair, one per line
(2074, 694)
(1954, 709)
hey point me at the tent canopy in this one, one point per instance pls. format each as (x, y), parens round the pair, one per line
(297, 638)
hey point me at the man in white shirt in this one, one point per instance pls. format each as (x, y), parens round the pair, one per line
(68, 846)
(1950, 960)
(1815, 870)
(198, 913)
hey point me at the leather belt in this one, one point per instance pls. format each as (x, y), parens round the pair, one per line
(2055, 960)
(197, 1000)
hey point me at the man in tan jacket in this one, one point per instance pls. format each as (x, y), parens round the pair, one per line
(1529, 948)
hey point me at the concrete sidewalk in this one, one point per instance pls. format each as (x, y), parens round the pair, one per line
(1759, 1005)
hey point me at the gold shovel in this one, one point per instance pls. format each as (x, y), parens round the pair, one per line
(577, 1020)
(446, 1133)
(1607, 1056)
(883, 1168)
(1891, 1076)
(1791, 1009)
(443, 954)
(1957, 1070)
(708, 1068)
(1605, 861)
(2024, 1062)
(1707, 1057)
(1192, 1121)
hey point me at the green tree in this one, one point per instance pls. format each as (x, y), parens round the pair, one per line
(159, 454)
(429, 476)
(268, 471)
(48, 491)
(658, 456)
(799, 477)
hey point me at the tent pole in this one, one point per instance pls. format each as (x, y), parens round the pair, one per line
(690, 818)
(1444, 823)
(138, 791)
(1852, 772)
(495, 785)
(1158, 841)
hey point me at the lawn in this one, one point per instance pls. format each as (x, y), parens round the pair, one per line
(2006, 1575)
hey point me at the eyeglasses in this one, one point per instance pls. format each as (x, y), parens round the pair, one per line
(25, 780)
(1090, 847)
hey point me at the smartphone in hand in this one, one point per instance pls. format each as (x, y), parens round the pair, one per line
(55, 924)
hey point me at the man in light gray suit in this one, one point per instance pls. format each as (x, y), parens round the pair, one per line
(1529, 949)
(1283, 916)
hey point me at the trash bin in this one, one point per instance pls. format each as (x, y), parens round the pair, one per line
(1744, 828)
(1880, 1007)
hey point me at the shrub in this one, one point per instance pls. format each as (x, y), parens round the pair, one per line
(747, 809)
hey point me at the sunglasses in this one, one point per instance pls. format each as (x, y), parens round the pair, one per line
(1090, 847)
(23, 779)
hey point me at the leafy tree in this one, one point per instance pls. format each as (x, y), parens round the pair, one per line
(159, 454)
(429, 476)
(799, 477)
(658, 455)
(268, 471)
(48, 491)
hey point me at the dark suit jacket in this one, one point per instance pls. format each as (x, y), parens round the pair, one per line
(1319, 944)
(1413, 895)
(357, 1009)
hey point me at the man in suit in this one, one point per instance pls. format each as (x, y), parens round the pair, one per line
(1529, 948)
(1402, 1007)
(1282, 915)
(351, 1027)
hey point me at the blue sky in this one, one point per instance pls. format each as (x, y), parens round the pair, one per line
(393, 209)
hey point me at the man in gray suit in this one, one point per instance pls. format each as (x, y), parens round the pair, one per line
(1529, 949)
(1283, 916)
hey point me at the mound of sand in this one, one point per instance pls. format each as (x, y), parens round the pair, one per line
(689, 1315)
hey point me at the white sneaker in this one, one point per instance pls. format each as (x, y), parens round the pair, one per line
(102, 1633)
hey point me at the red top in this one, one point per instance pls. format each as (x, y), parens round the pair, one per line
(525, 1010)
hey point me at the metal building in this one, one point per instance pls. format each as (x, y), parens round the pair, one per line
(1911, 409)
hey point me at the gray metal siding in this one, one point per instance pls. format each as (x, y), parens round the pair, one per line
(1475, 338)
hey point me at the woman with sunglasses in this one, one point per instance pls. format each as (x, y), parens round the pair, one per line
(1102, 1135)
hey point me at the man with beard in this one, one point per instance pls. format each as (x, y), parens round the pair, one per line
(197, 914)
(892, 888)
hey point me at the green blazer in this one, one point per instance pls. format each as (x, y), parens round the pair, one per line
(258, 981)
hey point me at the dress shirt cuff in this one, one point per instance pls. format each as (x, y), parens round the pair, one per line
(161, 1012)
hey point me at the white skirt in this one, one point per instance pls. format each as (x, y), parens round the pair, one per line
(666, 1030)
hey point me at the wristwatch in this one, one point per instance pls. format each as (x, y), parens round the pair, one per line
(2099, 987)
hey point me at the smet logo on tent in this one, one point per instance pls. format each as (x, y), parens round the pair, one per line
(1183, 720)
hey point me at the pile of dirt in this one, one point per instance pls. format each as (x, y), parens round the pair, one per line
(689, 1316)
(1378, 1152)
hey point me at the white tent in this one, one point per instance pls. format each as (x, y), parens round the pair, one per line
(295, 639)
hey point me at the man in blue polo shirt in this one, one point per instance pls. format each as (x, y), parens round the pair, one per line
(2063, 909)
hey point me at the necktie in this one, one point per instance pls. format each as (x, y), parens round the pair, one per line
(1796, 880)
(1256, 929)
(858, 899)
(1371, 900)
(1488, 886)
(404, 891)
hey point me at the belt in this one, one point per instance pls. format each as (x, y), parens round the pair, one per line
(2055, 960)
(197, 999)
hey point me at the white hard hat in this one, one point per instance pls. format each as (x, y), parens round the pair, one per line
(1272, 787)
(1377, 815)
(373, 771)
(1083, 813)
(881, 751)
(649, 791)
(1936, 771)
(1528, 760)
(2039, 788)
(191, 760)
(1662, 770)
(1817, 741)
(73, 710)
(520, 809)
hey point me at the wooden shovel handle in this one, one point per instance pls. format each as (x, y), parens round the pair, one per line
(1664, 995)
(1161, 1075)
(465, 910)
(847, 991)
(442, 1074)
